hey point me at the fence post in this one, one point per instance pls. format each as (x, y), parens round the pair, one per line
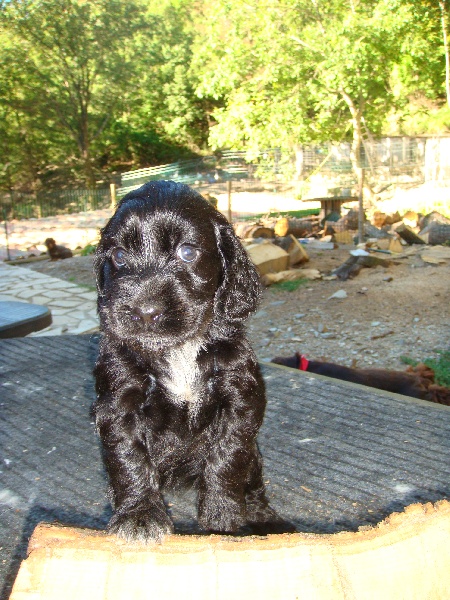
(230, 218)
(8, 254)
(112, 187)
(39, 205)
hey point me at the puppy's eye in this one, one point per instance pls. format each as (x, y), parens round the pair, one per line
(119, 257)
(187, 253)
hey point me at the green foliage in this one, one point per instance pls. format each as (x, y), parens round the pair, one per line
(320, 65)
(89, 88)
(440, 366)
(93, 86)
(421, 117)
(295, 214)
(89, 249)
(289, 286)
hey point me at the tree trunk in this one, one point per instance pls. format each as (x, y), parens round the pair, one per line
(446, 51)
(84, 138)
(357, 141)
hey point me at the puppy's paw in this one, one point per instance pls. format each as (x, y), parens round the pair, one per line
(220, 513)
(276, 526)
(263, 520)
(141, 525)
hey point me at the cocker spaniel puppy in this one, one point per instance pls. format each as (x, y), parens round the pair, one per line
(180, 397)
(57, 252)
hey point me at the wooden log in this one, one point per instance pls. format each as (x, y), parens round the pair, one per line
(290, 275)
(268, 258)
(408, 234)
(405, 556)
(296, 251)
(253, 230)
(296, 227)
(345, 237)
(439, 233)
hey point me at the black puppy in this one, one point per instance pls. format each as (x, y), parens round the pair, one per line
(180, 397)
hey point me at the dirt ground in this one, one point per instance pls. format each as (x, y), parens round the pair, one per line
(388, 312)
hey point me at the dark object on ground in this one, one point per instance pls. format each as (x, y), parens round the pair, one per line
(432, 218)
(18, 319)
(435, 393)
(57, 252)
(438, 233)
(354, 264)
(180, 396)
(417, 382)
(408, 234)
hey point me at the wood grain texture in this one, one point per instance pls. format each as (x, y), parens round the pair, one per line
(404, 557)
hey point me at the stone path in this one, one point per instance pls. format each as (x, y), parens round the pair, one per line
(73, 307)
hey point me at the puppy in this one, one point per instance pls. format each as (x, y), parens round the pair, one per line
(400, 382)
(180, 397)
(55, 252)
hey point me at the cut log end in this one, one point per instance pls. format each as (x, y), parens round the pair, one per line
(405, 556)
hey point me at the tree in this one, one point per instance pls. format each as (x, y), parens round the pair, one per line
(165, 94)
(301, 70)
(78, 64)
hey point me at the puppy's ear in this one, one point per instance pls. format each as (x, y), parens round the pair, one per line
(240, 290)
(102, 270)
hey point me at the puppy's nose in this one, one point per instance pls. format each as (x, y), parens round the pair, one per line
(146, 314)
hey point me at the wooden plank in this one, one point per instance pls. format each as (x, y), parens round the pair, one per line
(405, 556)
(299, 255)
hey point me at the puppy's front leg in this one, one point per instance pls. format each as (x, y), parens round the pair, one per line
(221, 499)
(140, 513)
(229, 466)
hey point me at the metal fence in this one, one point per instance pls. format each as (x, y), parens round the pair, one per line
(393, 159)
(18, 205)
(213, 170)
(394, 153)
(389, 161)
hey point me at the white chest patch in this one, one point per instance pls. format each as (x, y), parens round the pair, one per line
(181, 380)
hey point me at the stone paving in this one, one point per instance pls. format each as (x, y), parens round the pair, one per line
(73, 307)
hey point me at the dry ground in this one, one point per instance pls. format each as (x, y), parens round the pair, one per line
(401, 310)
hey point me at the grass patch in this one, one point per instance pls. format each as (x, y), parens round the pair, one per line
(289, 286)
(89, 249)
(440, 366)
(296, 214)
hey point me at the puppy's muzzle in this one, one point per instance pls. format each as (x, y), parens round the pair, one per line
(146, 315)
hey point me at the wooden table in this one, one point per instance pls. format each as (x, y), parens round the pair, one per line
(18, 319)
(331, 204)
(337, 455)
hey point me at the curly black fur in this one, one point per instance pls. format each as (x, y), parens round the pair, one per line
(180, 397)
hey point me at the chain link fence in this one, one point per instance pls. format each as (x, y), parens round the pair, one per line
(19, 205)
(313, 171)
